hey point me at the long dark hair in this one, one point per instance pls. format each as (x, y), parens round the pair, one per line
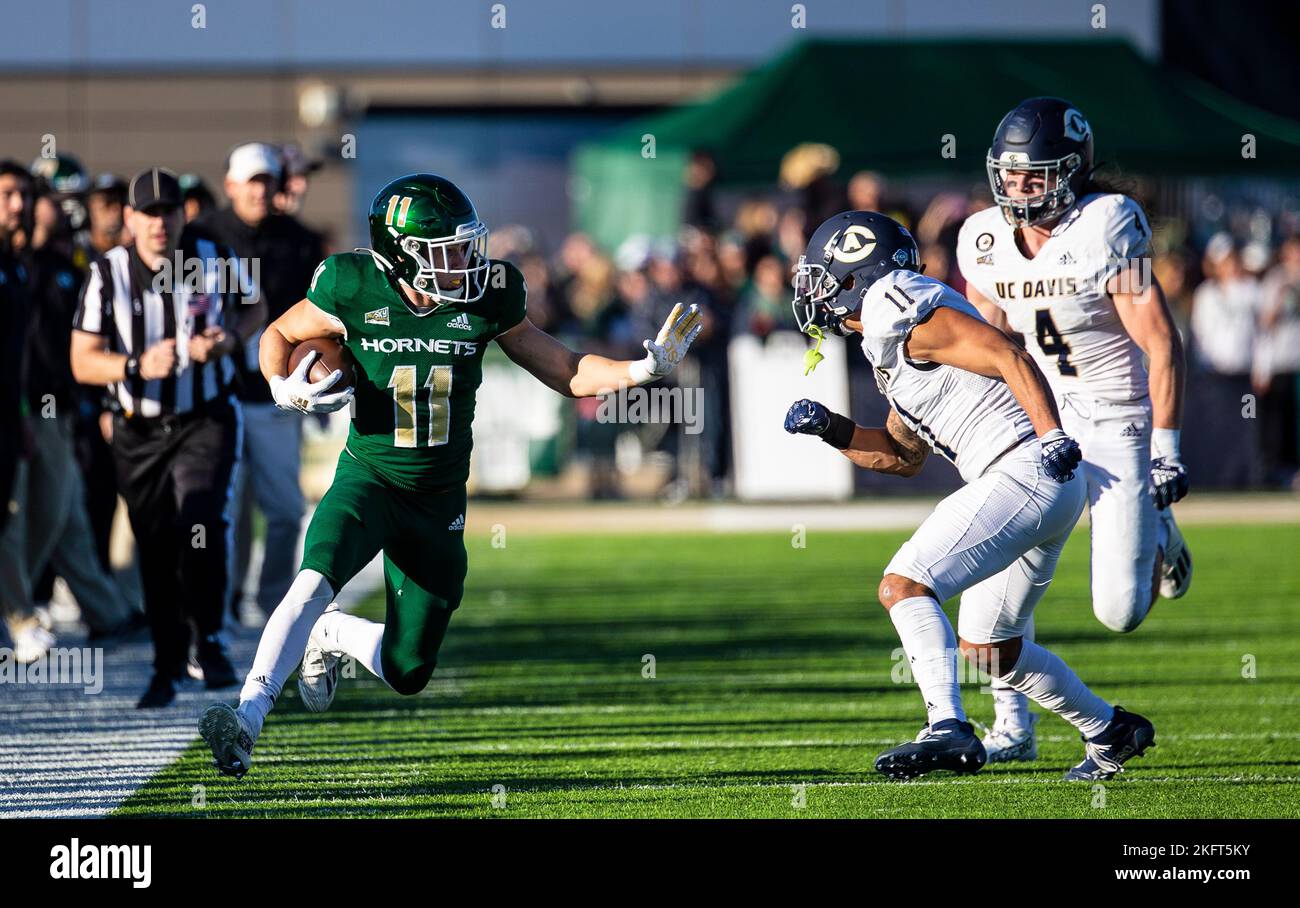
(1105, 179)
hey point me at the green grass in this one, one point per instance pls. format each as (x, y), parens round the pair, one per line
(773, 670)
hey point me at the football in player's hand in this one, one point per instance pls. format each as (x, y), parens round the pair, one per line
(331, 355)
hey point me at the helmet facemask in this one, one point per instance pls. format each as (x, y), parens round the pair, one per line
(816, 298)
(433, 258)
(1059, 179)
(822, 300)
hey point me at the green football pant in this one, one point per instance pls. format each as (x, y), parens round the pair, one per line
(424, 561)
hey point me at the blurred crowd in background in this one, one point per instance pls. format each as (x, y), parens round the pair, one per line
(1230, 271)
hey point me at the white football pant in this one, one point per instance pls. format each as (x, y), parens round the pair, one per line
(996, 541)
(1116, 443)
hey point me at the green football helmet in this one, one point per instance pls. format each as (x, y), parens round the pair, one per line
(426, 235)
(66, 181)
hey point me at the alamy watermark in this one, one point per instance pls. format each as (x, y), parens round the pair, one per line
(60, 665)
(979, 667)
(210, 274)
(637, 405)
(76, 861)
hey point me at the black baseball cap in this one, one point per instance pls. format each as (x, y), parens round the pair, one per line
(153, 188)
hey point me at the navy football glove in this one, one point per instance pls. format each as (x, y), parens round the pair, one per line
(1061, 455)
(1169, 482)
(807, 417)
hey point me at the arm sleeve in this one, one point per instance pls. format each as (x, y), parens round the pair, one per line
(967, 253)
(324, 287)
(895, 305)
(514, 302)
(1128, 235)
(91, 315)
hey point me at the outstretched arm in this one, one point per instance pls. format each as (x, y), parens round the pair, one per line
(587, 375)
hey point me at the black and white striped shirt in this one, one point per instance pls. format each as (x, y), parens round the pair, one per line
(120, 303)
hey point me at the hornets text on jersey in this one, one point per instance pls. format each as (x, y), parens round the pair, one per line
(1058, 299)
(417, 371)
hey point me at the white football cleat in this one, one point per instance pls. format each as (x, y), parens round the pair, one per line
(1006, 744)
(230, 738)
(318, 675)
(1176, 571)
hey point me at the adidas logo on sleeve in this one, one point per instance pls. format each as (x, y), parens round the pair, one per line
(458, 523)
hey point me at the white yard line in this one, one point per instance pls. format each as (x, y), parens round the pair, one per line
(68, 753)
(859, 515)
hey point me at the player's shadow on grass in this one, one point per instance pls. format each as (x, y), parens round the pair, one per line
(667, 728)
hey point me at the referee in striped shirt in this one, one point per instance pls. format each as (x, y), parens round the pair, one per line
(157, 327)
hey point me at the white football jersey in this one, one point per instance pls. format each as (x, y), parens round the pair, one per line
(1058, 299)
(967, 418)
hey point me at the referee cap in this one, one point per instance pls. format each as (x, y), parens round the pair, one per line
(154, 187)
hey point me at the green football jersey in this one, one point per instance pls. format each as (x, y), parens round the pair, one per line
(417, 372)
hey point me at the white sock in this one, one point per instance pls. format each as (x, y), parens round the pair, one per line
(355, 637)
(1047, 680)
(1010, 706)
(280, 650)
(931, 648)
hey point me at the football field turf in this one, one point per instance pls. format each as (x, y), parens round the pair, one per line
(772, 693)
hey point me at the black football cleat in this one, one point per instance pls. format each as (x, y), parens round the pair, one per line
(1127, 736)
(950, 745)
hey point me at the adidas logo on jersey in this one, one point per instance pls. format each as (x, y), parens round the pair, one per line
(1131, 431)
(985, 259)
(462, 322)
(458, 523)
(1067, 258)
(377, 316)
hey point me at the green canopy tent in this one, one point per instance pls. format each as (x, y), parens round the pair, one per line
(891, 106)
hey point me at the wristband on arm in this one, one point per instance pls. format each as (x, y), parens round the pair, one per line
(839, 434)
(1164, 443)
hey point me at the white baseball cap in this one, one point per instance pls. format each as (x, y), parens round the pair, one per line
(251, 160)
(1220, 246)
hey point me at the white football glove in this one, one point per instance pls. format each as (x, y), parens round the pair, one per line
(669, 346)
(297, 393)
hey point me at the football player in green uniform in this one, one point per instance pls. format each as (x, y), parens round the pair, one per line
(416, 313)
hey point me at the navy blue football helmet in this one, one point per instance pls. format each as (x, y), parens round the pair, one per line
(1041, 134)
(846, 255)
